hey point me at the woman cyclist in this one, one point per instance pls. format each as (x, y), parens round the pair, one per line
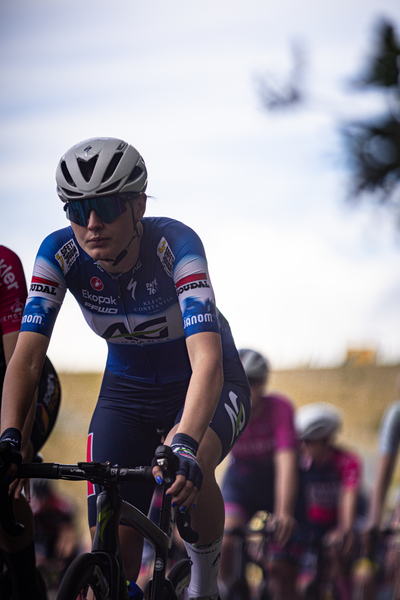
(19, 552)
(143, 286)
(262, 473)
(330, 478)
(370, 568)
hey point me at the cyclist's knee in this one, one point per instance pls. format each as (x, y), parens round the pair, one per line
(209, 453)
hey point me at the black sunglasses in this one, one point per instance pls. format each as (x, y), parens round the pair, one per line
(108, 208)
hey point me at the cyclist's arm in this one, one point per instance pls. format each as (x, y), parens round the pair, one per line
(202, 396)
(389, 438)
(21, 380)
(384, 475)
(205, 354)
(347, 509)
(286, 488)
(9, 343)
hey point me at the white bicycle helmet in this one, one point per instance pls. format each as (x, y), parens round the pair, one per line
(255, 365)
(98, 167)
(316, 421)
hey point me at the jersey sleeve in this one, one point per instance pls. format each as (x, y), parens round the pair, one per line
(350, 468)
(47, 289)
(192, 282)
(389, 436)
(13, 291)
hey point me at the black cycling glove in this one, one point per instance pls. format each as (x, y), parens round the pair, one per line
(185, 448)
(10, 446)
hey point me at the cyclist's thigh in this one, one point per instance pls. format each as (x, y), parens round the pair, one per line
(113, 437)
(127, 425)
(231, 416)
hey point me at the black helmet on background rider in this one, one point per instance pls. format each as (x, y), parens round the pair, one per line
(100, 167)
(255, 365)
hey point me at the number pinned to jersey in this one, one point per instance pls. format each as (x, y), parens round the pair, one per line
(166, 256)
(67, 255)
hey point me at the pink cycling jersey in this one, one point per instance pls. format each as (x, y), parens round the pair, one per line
(323, 484)
(272, 429)
(13, 291)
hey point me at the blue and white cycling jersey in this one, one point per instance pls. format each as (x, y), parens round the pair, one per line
(145, 314)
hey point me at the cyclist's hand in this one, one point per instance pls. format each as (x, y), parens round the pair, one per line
(10, 453)
(185, 489)
(285, 526)
(341, 542)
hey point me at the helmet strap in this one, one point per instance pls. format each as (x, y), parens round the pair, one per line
(124, 252)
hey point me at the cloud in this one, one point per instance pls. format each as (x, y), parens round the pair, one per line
(295, 272)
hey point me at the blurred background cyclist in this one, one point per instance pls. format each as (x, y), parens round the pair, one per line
(57, 540)
(262, 472)
(330, 479)
(370, 567)
(18, 553)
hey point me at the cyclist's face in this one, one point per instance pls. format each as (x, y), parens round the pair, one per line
(257, 392)
(106, 240)
(318, 450)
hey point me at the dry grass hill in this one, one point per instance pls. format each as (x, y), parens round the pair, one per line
(361, 392)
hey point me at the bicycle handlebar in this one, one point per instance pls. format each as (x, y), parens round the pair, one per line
(98, 473)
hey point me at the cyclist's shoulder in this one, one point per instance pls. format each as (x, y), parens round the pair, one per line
(8, 255)
(348, 463)
(392, 414)
(279, 404)
(11, 269)
(343, 455)
(279, 398)
(57, 239)
(61, 251)
(166, 231)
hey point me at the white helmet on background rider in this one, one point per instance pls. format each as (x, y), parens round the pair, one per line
(255, 365)
(100, 167)
(316, 421)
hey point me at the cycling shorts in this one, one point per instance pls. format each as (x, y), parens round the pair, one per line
(246, 489)
(131, 417)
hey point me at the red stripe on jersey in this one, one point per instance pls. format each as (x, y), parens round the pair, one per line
(190, 278)
(44, 281)
(89, 458)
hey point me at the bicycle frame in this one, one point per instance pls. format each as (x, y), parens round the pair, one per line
(111, 510)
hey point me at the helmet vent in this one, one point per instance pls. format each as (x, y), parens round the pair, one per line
(87, 167)
(136, 173)
(114, 162)
(69, 194)
(110, 188)
(67, 174)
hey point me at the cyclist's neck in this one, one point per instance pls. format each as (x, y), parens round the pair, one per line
(129, 260)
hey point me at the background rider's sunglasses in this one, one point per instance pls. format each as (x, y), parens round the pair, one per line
(108, 208)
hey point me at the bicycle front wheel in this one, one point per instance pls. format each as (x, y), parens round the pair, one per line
(88, 576)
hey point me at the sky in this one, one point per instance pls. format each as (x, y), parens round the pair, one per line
(300, 275)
